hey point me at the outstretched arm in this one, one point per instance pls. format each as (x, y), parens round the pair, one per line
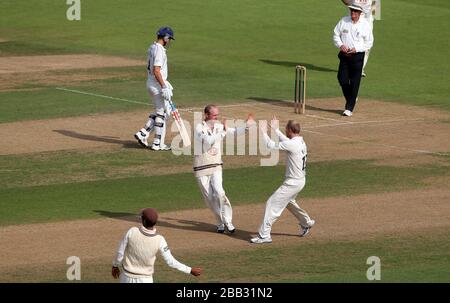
(172, 262)
(274, 123)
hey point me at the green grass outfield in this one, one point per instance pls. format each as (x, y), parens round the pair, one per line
(229, 51)
(225, 52)
(123, 196)
(420, 257)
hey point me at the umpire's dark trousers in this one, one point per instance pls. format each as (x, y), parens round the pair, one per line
(349, 77)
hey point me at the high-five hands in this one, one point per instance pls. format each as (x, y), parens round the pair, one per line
(274, 123)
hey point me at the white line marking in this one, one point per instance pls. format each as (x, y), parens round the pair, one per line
(380, 144)
(319, 117)
(305, 130)
(101, 96)
(366, 122)
(188, 109)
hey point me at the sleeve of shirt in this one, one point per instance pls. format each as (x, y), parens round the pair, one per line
(285, 145)
(120, 252)
(337, 35)
(203, 136)
(280, 135)
(170, 260)
(158, 57)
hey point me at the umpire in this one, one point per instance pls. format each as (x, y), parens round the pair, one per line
(353, 36)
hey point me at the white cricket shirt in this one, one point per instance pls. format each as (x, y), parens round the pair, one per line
(353, 35)
(297, 153)
(156, 56)
(208, 145)
(137, 253)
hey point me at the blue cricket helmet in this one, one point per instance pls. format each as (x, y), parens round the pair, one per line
(165, 32)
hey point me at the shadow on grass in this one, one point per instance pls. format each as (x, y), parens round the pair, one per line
(294, 64)
(106, 139)
(183, 224)
(285, 103)
(119, 215)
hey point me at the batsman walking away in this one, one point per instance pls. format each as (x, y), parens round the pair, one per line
(284, 196)
(160, 90)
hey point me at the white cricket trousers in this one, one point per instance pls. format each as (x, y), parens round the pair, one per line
(215, 198)
(126, 279)
(284, 197)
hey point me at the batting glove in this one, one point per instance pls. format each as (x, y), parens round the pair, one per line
(167, 93)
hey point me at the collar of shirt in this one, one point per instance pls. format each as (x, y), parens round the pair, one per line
(148, 232)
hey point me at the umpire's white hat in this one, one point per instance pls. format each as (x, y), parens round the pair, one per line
(355, 7)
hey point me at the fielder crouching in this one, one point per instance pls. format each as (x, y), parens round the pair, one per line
(137, 252)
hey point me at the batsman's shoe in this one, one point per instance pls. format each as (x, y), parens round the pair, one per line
(347, 113)
(306, 230)
(162, 147)
(141, 136)
(231, 228)
(259, 240)
(220, 229)
(363, 74)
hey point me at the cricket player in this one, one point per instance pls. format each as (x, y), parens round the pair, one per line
(366, 6)
(160, 91)
(138, 249)
(208, 166)
(284, 196)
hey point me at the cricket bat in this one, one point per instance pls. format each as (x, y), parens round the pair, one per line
(180, 125)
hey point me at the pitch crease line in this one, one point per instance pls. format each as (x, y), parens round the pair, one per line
(380, 144)
(365, 122)
(139, 102)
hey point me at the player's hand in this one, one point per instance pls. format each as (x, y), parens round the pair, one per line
(344, 49)
(263, 126)
(351, 51)
(274, 123)
(250, 120)
(115, 272)
(167, 93)
(196, 271)
(224, 122)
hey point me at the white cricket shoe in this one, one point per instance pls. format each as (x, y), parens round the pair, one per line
(347, 113)
(259, 240)
(141, 136)
(231, 228)
(305, 230)
(363, 74)
(162, 147)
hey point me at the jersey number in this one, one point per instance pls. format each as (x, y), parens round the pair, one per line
(304, 162)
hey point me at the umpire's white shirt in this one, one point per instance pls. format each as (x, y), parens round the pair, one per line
(353, 35)
(297, 154)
